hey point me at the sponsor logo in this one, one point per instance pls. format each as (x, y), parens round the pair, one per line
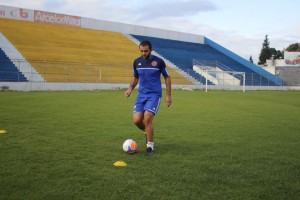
(154, 63)
(19, 13)
(53, 18)
(14, 13)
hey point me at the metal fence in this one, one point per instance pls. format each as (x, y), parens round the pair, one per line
(59, 71)
(70, 72)
(251, 79)
(50, 71)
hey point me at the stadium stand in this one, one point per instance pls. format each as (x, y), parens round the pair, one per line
(71, 54)
(8, 71)
(182, 54)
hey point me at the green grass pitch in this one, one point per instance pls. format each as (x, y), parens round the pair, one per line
(215, 145)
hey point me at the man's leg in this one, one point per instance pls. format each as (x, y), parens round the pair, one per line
(138, 120)
(148, 124)
(148, 121)
(151, 107)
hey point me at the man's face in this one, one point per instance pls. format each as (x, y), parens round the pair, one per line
(145, 51)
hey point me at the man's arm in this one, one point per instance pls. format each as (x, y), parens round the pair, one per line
(132, 85)
(168, 91)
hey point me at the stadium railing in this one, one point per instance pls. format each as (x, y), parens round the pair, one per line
(75, 72)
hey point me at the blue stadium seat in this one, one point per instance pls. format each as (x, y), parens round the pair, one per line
(182, 54)
(8, 71)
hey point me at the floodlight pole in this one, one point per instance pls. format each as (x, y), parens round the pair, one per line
(244, 81)
(100, 74)
(205, 80)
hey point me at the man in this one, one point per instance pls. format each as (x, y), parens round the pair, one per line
(146, 71)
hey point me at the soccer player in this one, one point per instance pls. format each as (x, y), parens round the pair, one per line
(146, 71)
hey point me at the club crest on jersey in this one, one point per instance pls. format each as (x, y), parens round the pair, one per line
(154, 63)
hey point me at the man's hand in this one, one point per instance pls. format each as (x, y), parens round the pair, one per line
(128, 92)
(132, 85)
(168, 100)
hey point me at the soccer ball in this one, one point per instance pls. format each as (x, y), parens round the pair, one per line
(130, 146)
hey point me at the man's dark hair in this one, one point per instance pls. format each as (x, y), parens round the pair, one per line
(146, 43)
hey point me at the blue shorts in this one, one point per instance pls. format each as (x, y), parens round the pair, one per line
(150, 104)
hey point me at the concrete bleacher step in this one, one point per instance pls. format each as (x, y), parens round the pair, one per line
(182, 53)
(72, 54)
(180, 71)
(19, 61)
(8, 71)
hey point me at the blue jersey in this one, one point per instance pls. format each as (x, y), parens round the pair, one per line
(148, 71)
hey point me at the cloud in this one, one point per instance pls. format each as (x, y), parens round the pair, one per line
(285, 36)
(53, 4)
(157, 9)
(30, 4)
(99, 9)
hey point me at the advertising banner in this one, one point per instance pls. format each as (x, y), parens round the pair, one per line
(54, 18)
(16, 13)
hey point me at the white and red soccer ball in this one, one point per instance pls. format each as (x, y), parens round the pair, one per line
(130, 146)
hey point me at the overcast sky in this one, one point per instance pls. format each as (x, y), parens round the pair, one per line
(238, 25)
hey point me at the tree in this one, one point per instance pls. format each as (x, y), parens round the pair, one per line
(293, 47)
(250, 59)
(276, 53)
(265, 51)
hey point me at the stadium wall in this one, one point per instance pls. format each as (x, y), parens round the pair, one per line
(290, 75)
(45, 86)
(69, 20)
